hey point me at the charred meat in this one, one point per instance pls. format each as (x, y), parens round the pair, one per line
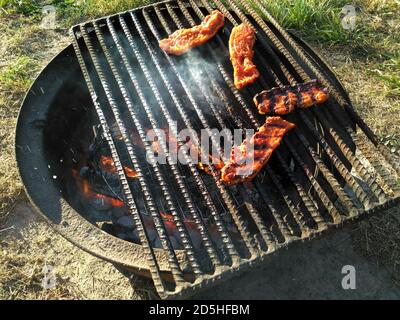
(283, 100)
(241, 43)
(252, 155)
(183, 40)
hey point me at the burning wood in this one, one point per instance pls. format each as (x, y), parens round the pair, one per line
(107, 165)
(123, 226)
(87, 192)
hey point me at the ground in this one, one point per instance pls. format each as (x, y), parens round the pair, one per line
(371, 51)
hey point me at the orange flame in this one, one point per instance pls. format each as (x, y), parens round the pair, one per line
(87, 191)
(107, 165)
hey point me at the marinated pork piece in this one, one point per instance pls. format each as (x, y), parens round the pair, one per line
(183, 40)
(252, 155)
(241, 43)
(279, 101)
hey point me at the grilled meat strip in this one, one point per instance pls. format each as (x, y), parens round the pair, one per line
(183, 40)
(283, 100)
(251, 156)
(241, 43)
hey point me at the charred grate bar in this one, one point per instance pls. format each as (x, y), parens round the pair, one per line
(330, 170)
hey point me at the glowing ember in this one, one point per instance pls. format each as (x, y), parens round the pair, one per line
(107, 165)
(96, 183)
(87, 192)
(169, 222)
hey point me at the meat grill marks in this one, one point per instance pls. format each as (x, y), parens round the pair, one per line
(241, 43)
(283, 100)
(183, 40)
(251, 156)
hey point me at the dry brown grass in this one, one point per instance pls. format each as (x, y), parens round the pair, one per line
(378, 238)
(27, 244)
(371, 96)
(22, 54)
(21, 276)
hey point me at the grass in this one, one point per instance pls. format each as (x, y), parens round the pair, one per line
(26, 7)
(371, 51)
(20, 60)
(317, 20)
(17, 73)
(69, 11)
(373, 46)
(21, 277)
(379, 239)
(78, 275)
(388, 73)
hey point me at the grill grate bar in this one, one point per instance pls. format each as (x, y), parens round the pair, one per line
(226, 196)
(199, 221)
(377, 166)
(221, 226)
(283, 49)
(355, 185)
(288, 75)
(310, 205)
(317, 187)
(161, 180)
(268, 34)
(368, 154)
(354, 160)
(284, 228)
(144, 239)
(217, 88)
(306, 199)
(389, 157)
(265, 65)
(276, 73)
(359, 191)
(343, 196)
(160, 227)
(340, 96)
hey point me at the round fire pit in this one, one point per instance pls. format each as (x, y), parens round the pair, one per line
(70, 177)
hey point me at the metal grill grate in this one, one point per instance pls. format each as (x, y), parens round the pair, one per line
(325, 172)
